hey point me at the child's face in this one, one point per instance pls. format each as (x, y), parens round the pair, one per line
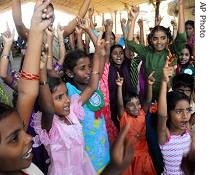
(180, 116)
(159, 41)
(133, 107)
(61, 101)
(82, 71)
(184, 57)
(189, 30)
(117, 56)
(15, 144)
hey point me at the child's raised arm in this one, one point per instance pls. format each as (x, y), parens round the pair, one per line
(120, 105)
(133, 14)
(108, 32)
(28, 85)
(59, 63)
(72, 24)
(45, 97)
(163, 132)
(50, 36)
(181, 20)
(86, 25)
(141, 31)
(150, 82)
(17, 17)
(97, 70)
(8, 38)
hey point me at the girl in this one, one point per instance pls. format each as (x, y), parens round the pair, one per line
(58, 126)
(159, 41)
(15, 145)
(174, 113)
(118, 63)
(184, 64)
(185, 83)
(134, 114)
(77, 68)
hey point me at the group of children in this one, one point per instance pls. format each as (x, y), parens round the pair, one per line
(83, 110)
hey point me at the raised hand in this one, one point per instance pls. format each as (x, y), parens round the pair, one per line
(134, 12)
(101, 46)
(108, 25)
(84, 23)
(151, 78)
(119, 80)
(90, 12)
(158, 20)
(8, 36)
(41, 18)
(174, 24)
(167, 70)
(123, 22)
(140, 23)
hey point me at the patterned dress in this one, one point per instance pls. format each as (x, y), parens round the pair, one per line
(95, 134)
(173, 150)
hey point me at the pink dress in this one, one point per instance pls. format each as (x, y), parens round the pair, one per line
(64, 143)
(110, 127)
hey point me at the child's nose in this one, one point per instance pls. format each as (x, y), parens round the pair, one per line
(67, 99)
(28, 138)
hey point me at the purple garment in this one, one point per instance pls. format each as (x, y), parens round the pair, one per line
(127, 87)
(142, 82)
(40, 155)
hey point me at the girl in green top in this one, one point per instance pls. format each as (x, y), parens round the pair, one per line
(159, 46)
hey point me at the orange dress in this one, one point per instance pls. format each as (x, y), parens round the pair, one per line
(142, 163)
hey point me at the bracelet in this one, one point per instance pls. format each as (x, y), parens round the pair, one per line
(5, 56)
(28, 76)
(15, 77)
(58, 67)
(43, 82)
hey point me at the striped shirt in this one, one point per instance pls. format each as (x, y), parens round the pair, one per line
(173, 151)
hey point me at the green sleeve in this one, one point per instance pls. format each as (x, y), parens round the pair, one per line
(138, 48)
(179, 43)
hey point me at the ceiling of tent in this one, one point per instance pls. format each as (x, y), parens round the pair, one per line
(100, 6)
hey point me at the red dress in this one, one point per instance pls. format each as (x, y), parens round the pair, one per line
(142, 163)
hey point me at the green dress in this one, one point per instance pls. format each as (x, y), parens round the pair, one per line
(155, 61)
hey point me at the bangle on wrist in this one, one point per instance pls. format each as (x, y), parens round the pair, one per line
(43, 82)
(5, 57)
(28, 75)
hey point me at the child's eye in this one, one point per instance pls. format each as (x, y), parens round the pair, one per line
(59, 97)
(178, 111)
(14, 138)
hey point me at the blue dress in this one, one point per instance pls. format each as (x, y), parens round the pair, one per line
(95, 135)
